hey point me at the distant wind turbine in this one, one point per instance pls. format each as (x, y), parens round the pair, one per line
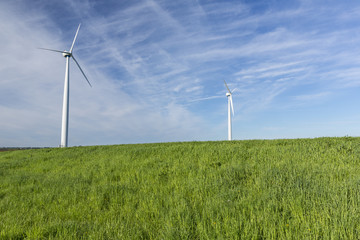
(230, 106)
(65, 112)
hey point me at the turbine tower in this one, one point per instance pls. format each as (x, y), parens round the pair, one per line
(230, 107)
(65, 111)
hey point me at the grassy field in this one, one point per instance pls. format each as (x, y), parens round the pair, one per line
(258, 189)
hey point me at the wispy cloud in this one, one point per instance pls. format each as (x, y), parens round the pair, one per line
(312, 97)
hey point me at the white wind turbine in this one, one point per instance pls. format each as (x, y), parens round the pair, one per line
(230, 106)
(65, 111)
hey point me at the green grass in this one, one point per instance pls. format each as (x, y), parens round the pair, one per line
(258, 189)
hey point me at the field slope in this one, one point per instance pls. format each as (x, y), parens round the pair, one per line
(258, 189)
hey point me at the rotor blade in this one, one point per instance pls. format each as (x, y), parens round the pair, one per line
(81, 70)
(77, 31)
(205, 98)
(227, 87)
(232, 106)
(53, 50)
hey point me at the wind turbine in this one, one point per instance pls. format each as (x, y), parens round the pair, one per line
(65, 111)
(230, 106)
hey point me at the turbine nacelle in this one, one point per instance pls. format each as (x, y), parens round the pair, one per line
(228, 94)
(66, 54)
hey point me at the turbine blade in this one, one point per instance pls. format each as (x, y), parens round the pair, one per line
(227, 87)
(232, 106)
(53, 50)
(72, 45)
(81, 70)
(205, 98)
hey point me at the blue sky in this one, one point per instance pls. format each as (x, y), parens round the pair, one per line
(157, 69)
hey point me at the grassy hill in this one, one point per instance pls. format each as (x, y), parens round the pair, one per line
(258, 189)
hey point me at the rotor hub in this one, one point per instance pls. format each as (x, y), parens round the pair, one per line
(228, 94)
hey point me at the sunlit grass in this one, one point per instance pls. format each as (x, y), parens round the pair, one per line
(259, 189)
